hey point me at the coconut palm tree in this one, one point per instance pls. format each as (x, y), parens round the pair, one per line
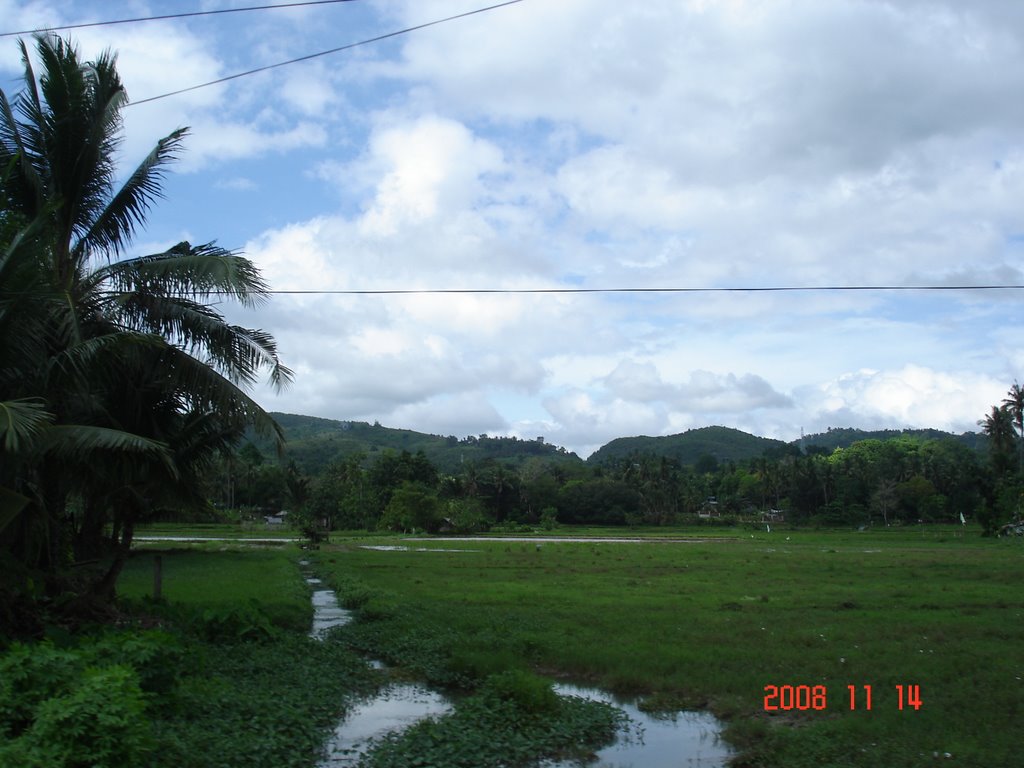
(1014, 402)
(121, 364)
(998, 426)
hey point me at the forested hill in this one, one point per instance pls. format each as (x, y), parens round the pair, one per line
(313, 443)
(844, 437)
(720, 443)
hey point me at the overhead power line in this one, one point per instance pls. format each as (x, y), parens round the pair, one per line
(326, 53)
(173, 16)
(765, 289)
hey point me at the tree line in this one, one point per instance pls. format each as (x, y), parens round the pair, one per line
(897, 481)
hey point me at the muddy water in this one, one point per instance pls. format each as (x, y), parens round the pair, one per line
(685, 739)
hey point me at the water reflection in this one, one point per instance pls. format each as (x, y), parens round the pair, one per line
(680, 739)
(394, 708)
(327, 613)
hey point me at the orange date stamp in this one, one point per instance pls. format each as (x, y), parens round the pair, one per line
(803, 698)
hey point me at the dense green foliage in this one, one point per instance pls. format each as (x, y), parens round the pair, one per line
(68, 707)
(711, 624)
(191, 696)
(844, 437)
(872, 482)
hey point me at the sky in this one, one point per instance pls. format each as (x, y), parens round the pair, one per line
(602, 145)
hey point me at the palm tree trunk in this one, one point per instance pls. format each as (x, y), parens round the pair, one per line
(106, 587)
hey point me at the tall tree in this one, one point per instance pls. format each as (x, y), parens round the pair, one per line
(998, 426)
(1014, 403)
(123, 358)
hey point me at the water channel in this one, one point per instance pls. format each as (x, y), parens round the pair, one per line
(682, 739)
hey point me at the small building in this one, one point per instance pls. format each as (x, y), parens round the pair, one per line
(277, 519)
(709, 508)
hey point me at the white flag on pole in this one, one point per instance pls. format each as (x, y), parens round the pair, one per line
(962, 521)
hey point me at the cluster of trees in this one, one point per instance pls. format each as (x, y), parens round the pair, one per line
(1004, 427)
(899, 480)
(883, 482)
(120, 382)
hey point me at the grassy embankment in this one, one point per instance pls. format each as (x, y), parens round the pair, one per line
(712, 624)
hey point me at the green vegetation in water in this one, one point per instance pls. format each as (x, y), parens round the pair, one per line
(514, 719)
(713, 624)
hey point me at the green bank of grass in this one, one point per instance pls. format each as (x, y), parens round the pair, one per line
(216, 530)
(711, 624)
(222, 579)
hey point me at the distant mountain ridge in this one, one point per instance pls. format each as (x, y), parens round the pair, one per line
(844, 437)
(314, 442)
(721, 443)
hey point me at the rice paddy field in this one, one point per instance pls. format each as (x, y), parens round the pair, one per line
(783, 635)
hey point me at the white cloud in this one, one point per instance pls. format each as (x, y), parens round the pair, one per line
(426, 169)
(912, 396)
(728, 143)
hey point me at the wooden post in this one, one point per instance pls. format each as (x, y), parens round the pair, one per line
(158, 577)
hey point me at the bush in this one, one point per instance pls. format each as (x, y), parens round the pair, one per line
(466, 516)
(154, 655)
(527, 692)
(57, 709)
(234, 623)
(413, 507)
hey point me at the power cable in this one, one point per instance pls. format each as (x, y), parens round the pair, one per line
(765, 289)
(325, 53)
(173, 16)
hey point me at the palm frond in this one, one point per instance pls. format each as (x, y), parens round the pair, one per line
(207, 390)
(238, 353)
(22, 421)
(196, 271)
(24, 188)
(78, 442)
(100, 358)
(114, 225)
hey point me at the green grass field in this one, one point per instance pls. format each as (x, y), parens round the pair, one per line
(713, 624)
(217, 577)
(688, 625)
(217, 530)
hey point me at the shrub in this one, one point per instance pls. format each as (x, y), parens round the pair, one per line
(56, 709)
(527, 692)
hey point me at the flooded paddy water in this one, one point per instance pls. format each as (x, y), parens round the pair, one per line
(654, 741)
